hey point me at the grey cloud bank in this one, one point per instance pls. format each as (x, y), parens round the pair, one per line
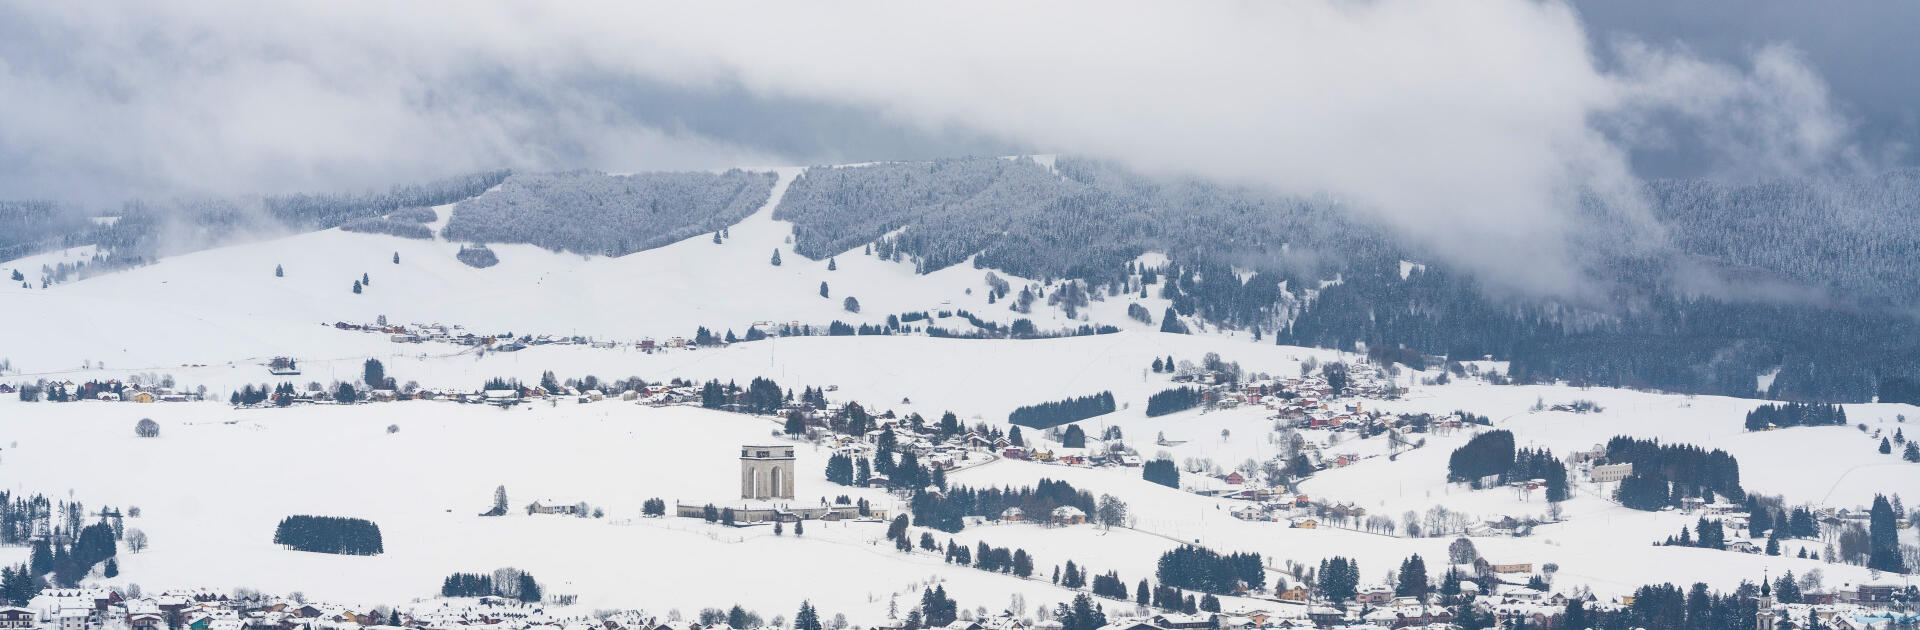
(1471, 128)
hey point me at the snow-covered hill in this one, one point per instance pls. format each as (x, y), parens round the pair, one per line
(226, 304)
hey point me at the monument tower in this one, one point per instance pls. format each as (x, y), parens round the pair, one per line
(766, 472)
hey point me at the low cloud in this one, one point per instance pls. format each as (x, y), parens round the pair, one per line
(1473, 129)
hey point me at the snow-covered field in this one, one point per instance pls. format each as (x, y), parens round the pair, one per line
(215, 482)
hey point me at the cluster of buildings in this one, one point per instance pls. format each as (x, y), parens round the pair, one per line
(961, 449)
(205, 609)
(189, 609)
(455, 334)
(110, 391)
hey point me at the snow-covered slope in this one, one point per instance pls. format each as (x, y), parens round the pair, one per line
(226, 304)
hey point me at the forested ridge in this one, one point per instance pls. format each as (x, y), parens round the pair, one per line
(134, 237)
(1248, 260)
(612, 215)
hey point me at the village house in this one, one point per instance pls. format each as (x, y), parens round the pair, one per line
(552, 506)
(1608, 473)
(1068, 515)
(1184, 622)
(1483, 566)
(17, 617)
(1131, 624)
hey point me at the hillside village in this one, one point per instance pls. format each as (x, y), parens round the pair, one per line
(1013, 454)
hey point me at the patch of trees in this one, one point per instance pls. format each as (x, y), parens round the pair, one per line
(477, 256)
(1489, 453)
(1529, 464)
(1208, 571)
(1059, 412)
(1795, 415)
(1083, 614)
(18, 585)
(611, 215)
(1139, 313)
(1109, 585)
(1412, 580)
(840, 469)
(1163, 472)
(947, 513)
(1339, 578)
(987, 558)
(1663, 474)
(1174, 400)
(762, 396)
(388, 226)
(329, 534)
(509, 583)
(1706, 534)
(1074, 437)
(416, 214)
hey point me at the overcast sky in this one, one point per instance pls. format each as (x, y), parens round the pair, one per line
(1460, 123)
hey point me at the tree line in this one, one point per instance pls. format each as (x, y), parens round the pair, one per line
(1054, 413)
(1173, 400)
(509, 583)
(1208, 571)
(1663, 474)
(1795, 415)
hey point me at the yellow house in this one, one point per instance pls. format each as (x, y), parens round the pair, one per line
(141, 397)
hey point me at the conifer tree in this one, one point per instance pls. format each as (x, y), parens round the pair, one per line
(278, 272)
(41, 560)
(356, 287)
(807, 618)
(823, 288)
(1883, 544)
(1170, 323)
(1413, 578)
(776, 257)
(833, 265)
